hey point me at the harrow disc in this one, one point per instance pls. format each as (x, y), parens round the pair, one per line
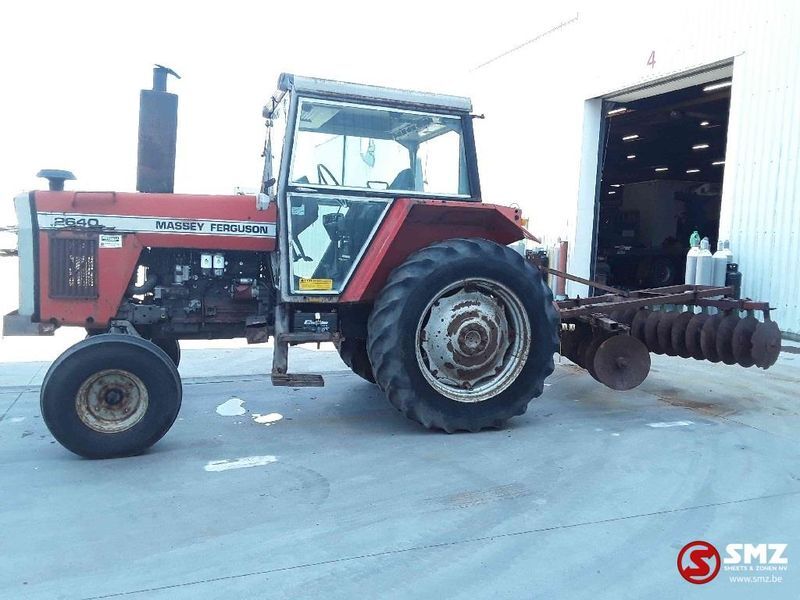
(678, 334)
(637, 325)
(708, 338)
(570, 340)
(742, 341)
(651, 332)
(580, 351)
(590, 352)
(766, 342)
(725, 338)
(693, 333)
(664, 333)
(627, 315)
(621, 362)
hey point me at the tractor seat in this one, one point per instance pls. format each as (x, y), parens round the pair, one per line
(403, 181)
(304, 212)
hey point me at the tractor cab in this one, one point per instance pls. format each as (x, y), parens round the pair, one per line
(337, 155)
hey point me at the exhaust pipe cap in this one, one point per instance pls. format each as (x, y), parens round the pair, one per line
(56, 178)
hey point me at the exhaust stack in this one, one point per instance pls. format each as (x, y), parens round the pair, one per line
(158, 135)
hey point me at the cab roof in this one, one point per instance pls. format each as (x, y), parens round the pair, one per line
(373, 94)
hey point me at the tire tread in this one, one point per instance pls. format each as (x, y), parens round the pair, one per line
(383, 326)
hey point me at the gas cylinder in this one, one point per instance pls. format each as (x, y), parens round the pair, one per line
(727, 249)
(691, 258)
(704, 274)
(734, 278)
(554, 259)
(720, 264)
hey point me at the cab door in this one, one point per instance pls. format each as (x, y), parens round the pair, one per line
(328, 233)
(347, 162)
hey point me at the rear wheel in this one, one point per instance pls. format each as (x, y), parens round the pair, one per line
(463, 334)
(353, 353)
(111, 395)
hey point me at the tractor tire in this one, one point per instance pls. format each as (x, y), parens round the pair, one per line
(170, 346)
(110, 395)
(462, 336)
(353, 353)
(167, 344)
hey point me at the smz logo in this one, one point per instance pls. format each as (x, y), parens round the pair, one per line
(698, 562)
(761, 554)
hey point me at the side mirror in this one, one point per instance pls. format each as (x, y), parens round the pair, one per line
(268, 184)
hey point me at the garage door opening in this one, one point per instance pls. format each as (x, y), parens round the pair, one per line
(661, 175)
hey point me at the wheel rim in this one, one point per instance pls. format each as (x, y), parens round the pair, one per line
(473, 340)
(111, 401)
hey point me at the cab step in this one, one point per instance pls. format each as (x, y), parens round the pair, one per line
(303, 337)
(297, 380)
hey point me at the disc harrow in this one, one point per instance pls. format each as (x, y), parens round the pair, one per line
(612, 335)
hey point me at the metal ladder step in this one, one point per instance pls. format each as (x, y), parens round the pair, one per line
(297, 380)
(299, 337)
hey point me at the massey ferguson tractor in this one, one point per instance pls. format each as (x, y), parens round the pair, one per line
(368, 232)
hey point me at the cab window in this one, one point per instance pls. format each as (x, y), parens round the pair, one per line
(350, 146)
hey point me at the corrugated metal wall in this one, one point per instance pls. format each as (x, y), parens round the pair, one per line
(532, 143)
(761, 193)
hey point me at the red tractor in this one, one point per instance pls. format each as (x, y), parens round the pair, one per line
(368, 232)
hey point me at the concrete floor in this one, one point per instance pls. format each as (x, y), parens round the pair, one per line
(588, 495)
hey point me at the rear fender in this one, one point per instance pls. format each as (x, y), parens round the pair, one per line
(414, 224)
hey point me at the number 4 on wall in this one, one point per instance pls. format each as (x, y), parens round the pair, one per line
(651, 62)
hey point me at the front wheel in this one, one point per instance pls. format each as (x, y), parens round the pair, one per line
(110, 395)
(171, 346)
(463, 335)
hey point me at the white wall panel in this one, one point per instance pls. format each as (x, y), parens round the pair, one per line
(533, 142)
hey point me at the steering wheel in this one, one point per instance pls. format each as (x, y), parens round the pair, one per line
(324, 175)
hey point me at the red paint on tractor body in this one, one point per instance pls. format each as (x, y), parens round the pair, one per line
(169, 206)
(410, 224)
(116, 266)
(414, 224)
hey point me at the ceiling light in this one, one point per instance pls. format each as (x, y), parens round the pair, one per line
(611, 192)
(718, 163)
(717, 86)
(616, 111)
(692, 170)
(628, 138)
(659, 169)
(704, 123)
(699, 146)
(615, 185)
(631, 156)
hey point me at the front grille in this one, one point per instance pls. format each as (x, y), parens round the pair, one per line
(73, 267)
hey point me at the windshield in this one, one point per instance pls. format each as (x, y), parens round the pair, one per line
(363, 147)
